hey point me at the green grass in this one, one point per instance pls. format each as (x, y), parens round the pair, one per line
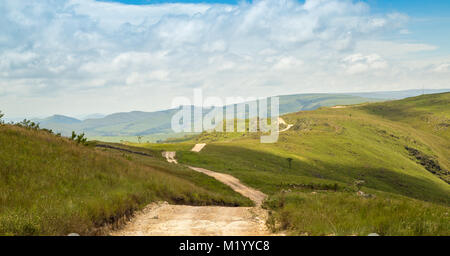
(330, 213)
(294, 103)
(340, 146)
(151, 138)
(50, 185)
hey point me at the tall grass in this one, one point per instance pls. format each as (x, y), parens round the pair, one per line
(330, 213)
(50, 185)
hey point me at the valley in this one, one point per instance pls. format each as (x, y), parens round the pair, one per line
(332, 150)
(351, 170)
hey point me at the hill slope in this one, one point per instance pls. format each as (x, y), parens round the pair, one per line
(50, 185)
(397, 150)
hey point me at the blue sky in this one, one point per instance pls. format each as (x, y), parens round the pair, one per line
(431, 18)
(412, 7)
(419, 8)
(78, 57)
(141, 2)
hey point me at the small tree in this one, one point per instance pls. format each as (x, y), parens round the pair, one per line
(289, 162)
(1, 116)
(81, 139)
(28, 124)
(139, 139)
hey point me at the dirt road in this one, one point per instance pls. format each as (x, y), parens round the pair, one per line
(170, 156)
(198, 147)
(163, 219)
(256, 196)
(288, 126)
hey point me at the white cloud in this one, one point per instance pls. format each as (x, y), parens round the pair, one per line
(285, 63)
(442, 68)
(358, 63)
(390, 48)
(141, 78)
(138, 57)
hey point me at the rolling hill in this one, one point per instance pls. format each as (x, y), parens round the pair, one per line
(395, 152)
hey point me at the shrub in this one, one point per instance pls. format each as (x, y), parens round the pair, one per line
(80, 139)
(28, 124)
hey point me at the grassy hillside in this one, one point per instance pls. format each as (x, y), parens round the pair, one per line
(429, 116)
(398, 150)
(50, 185)
(294, 103)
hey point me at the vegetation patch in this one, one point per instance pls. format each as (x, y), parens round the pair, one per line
(344, 213)
(303, 124)
(310, 186)
(429, 163)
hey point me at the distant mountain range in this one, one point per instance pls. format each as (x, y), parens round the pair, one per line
(58, 119)
(91, 116)
(145, 123)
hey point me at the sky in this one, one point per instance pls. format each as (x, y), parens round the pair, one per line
(78, 57)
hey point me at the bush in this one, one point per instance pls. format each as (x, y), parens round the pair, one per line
(80, 139)
(28, 124)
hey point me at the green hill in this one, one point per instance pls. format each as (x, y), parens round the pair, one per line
(118, 124)
(50, 185)
(299, 102)
(397, 151)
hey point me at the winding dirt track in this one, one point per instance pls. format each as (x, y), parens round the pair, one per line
(198, 147)
(288, 126)
(163, 219)
(256, 196)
